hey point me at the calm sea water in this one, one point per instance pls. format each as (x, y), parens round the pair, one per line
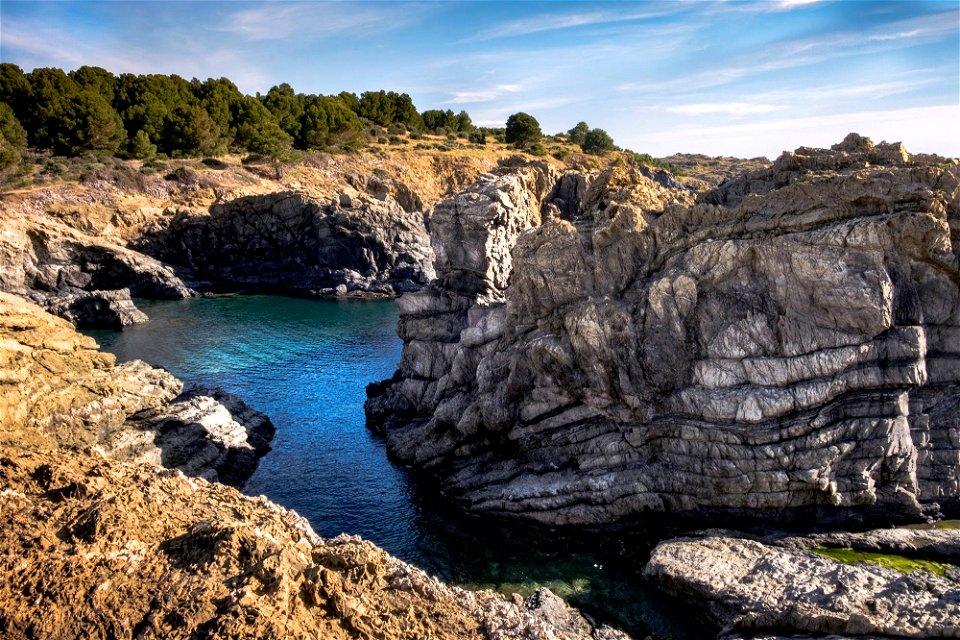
(306, 363)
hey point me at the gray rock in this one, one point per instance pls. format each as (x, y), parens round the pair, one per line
(294, 243)
(204, 432)
(84, 279)
(95, 309)
(750, 588)
(795, 351)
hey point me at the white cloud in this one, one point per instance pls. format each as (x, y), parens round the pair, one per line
(732, 108)
(554, 22)
(483, 95)
(280, 21)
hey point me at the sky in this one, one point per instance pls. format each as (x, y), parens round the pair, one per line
(732, 78)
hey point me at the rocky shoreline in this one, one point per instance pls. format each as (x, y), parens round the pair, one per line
(118, 521)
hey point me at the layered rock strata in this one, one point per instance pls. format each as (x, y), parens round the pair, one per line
(755, 590)
(788, 344)
(290, 242)
(99, 543)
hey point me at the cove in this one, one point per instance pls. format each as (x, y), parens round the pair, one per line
(306, 363)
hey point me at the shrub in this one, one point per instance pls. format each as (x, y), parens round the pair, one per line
(538, 149)
(597, 142)
(522, 129)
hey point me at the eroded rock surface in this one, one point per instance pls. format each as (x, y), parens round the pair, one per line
(290, 242)
(789, 345)
(58, 391)
(97, 544)
(86, 279)
(751, 589)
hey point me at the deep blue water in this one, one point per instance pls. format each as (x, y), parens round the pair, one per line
(306, 363)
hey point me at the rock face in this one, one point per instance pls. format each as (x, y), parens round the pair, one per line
(58, 391)
(86, 279)
(288, 241)
(751, 588)
(790, 343)
(97, 544)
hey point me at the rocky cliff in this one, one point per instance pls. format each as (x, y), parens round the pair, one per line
(290, 242)
(112, 527)
(595, 348)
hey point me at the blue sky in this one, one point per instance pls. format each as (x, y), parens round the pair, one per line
(722, 78)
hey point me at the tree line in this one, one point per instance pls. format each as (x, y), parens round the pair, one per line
(92, 111)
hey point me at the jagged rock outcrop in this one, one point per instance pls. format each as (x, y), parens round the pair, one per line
(86, 279)
(291, 242)
(751, 589)
(58, 391)
(97, 544)
(789, 344)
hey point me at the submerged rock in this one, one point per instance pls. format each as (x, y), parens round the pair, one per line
(787, 346)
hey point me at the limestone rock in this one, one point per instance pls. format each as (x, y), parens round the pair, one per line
(58, 390)
(752, 588)
(294, 243)
(86, 279)
(96, 309)
(787, 346)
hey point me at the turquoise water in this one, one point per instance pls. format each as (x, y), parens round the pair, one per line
(306, 363)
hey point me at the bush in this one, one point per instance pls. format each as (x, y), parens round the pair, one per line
(538, 149)
(597, 142)
(397, 140)
(383, 140)
(478, 137)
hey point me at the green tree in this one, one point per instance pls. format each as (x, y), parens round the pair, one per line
(50, 92)
(88, 124)
(257, 130)
(96, 79)
(579, 133)
(13, 139)
(286, 108)
(218, 98)
(327, 121)
(523, 130)
(15, 90)
(351, 100)
(404, 111)
(597, 142)
(378, 107)
(188, 130)
(462, 122)
(436, 120)
(140, 146)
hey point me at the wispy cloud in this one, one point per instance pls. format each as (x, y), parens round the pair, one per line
(483, 95)
(555, 22)
(280, 21)
(731, 108)
(801, 52)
